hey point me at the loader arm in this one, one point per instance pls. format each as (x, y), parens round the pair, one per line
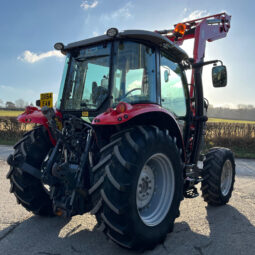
(204, 29)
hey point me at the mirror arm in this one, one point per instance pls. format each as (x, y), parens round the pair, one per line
(200, 64)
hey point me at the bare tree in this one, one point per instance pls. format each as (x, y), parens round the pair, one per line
(20, 103)
(1, 103)
(10, 105)
(241, 106)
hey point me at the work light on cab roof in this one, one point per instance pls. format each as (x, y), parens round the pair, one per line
(59, 46)
(112, 32)
(180, 29)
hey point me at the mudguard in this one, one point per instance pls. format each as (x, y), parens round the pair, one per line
(139, 113)
(34, 115)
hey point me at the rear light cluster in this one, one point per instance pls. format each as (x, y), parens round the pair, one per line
(121, 107)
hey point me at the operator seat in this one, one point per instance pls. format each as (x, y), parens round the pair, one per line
(99, 93)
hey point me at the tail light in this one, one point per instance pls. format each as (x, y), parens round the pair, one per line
(121, 107)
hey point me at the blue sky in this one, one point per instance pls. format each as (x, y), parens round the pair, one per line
(29, 28)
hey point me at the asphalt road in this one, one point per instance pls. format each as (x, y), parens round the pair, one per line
(199, 230)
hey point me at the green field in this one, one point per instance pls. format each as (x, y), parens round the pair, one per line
(10, 113)
(230, 121)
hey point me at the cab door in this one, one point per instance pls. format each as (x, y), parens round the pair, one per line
(174, 90)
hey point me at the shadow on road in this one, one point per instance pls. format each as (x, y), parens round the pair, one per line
(230, 233)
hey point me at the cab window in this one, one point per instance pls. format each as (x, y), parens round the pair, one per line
(134, 73)
(172, 90)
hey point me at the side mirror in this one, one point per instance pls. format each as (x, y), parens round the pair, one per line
(219, 76)
(166, 75)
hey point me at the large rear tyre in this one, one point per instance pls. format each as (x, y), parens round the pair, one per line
(29, 191)
(219, 176)
(141, 187)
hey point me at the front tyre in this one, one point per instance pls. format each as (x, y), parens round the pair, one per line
(219, 176)
(142, 188)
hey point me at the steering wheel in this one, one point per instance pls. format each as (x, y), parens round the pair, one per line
(130, 91)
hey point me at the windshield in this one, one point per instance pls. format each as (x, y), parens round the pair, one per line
(134, 73)
(86, 85)
(87, 77)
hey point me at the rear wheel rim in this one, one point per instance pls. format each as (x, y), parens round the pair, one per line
(226, 177)
(155, 189)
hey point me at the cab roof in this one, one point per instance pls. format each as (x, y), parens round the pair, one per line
(152, 37)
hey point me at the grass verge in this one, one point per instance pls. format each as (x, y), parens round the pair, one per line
(9, 142)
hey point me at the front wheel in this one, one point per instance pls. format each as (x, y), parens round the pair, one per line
(219, 176)
(142, 188)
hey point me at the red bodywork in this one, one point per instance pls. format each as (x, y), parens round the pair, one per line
(113, 117)
(34, 115)
(116, 117)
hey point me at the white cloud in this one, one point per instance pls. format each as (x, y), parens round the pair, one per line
(123, 12)
(7, 88)
(184, 12)
(86, 4)
(195, 14)
(30, 57)
(135, 84)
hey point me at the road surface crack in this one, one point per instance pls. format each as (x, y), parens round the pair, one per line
(12, 228)
(201, 247)
(48, 253)
(165, 248)
(75, 250)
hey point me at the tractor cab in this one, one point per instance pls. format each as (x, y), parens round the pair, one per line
(134, 67)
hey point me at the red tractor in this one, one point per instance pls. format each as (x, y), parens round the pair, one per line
(125, 139)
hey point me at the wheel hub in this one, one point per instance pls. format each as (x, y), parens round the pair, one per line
(146, 185)
(155, 189)
(226, 177)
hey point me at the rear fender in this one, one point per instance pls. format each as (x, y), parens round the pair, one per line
(143, 114)
(34, 115)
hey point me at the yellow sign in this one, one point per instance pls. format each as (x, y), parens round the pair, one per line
(46, 99)
(85, 114)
